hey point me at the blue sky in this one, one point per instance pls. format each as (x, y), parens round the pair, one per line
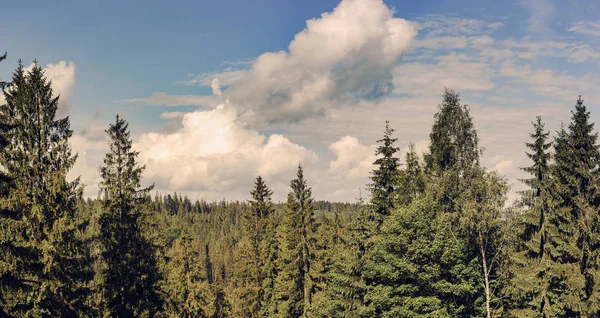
(511, 59)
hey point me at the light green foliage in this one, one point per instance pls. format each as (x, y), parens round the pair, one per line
(418, 266)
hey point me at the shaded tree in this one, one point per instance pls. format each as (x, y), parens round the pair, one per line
(131, 275)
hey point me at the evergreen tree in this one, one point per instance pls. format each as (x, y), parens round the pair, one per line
(585, 201)
(131, 275)
(412, 178)
(328, 241)
(346, 285)
(187, 290)
(385, 176)
(52, 258)
(249, 267)
(417, 267)
(15, 257)
(294, 285)
(532, 267)
(270, 270)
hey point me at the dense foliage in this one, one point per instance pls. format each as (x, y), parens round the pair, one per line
(435, 237)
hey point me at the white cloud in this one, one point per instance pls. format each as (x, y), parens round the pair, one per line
(216, 87)
(352, 159)
(586, 27)
(62, 75)
(227, 77)
(163, 99)
(345, 54)
(455, 70)
(213, 153)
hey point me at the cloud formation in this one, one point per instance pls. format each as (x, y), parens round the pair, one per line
(164, 99)
(215, 156)
(345, 54)
(586, 27)
(344, 66)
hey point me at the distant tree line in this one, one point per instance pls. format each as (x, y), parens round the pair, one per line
(435, 238)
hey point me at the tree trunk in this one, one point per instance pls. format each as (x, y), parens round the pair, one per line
(485, 276)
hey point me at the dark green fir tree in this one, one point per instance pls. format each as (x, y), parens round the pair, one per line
(131, 275)
(386, 174)
(54, 262)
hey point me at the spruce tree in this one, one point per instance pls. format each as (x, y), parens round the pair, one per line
(270, 270)
(346, 287)
(585, 198)
(385, 176)
(531, 290)
(417, 267)
(294, 284)
(250, 262)
(187, 290)
(15, 256)
(53, 260)
(131, 275)
(411, 183)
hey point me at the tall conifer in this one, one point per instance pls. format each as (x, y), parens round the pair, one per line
(129, 281)
(251, 257)
(297, 238)
(385, 176)
(38, 157)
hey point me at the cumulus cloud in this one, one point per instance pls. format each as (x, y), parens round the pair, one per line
(352, 159)
(62, 75)
(213, 153)
(345, 54)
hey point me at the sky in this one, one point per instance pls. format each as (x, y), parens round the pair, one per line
(219, 92)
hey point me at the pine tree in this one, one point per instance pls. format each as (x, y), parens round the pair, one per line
(53, 261)
(386, 174)
(294, 284)
(249, 269)
(131, 275)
